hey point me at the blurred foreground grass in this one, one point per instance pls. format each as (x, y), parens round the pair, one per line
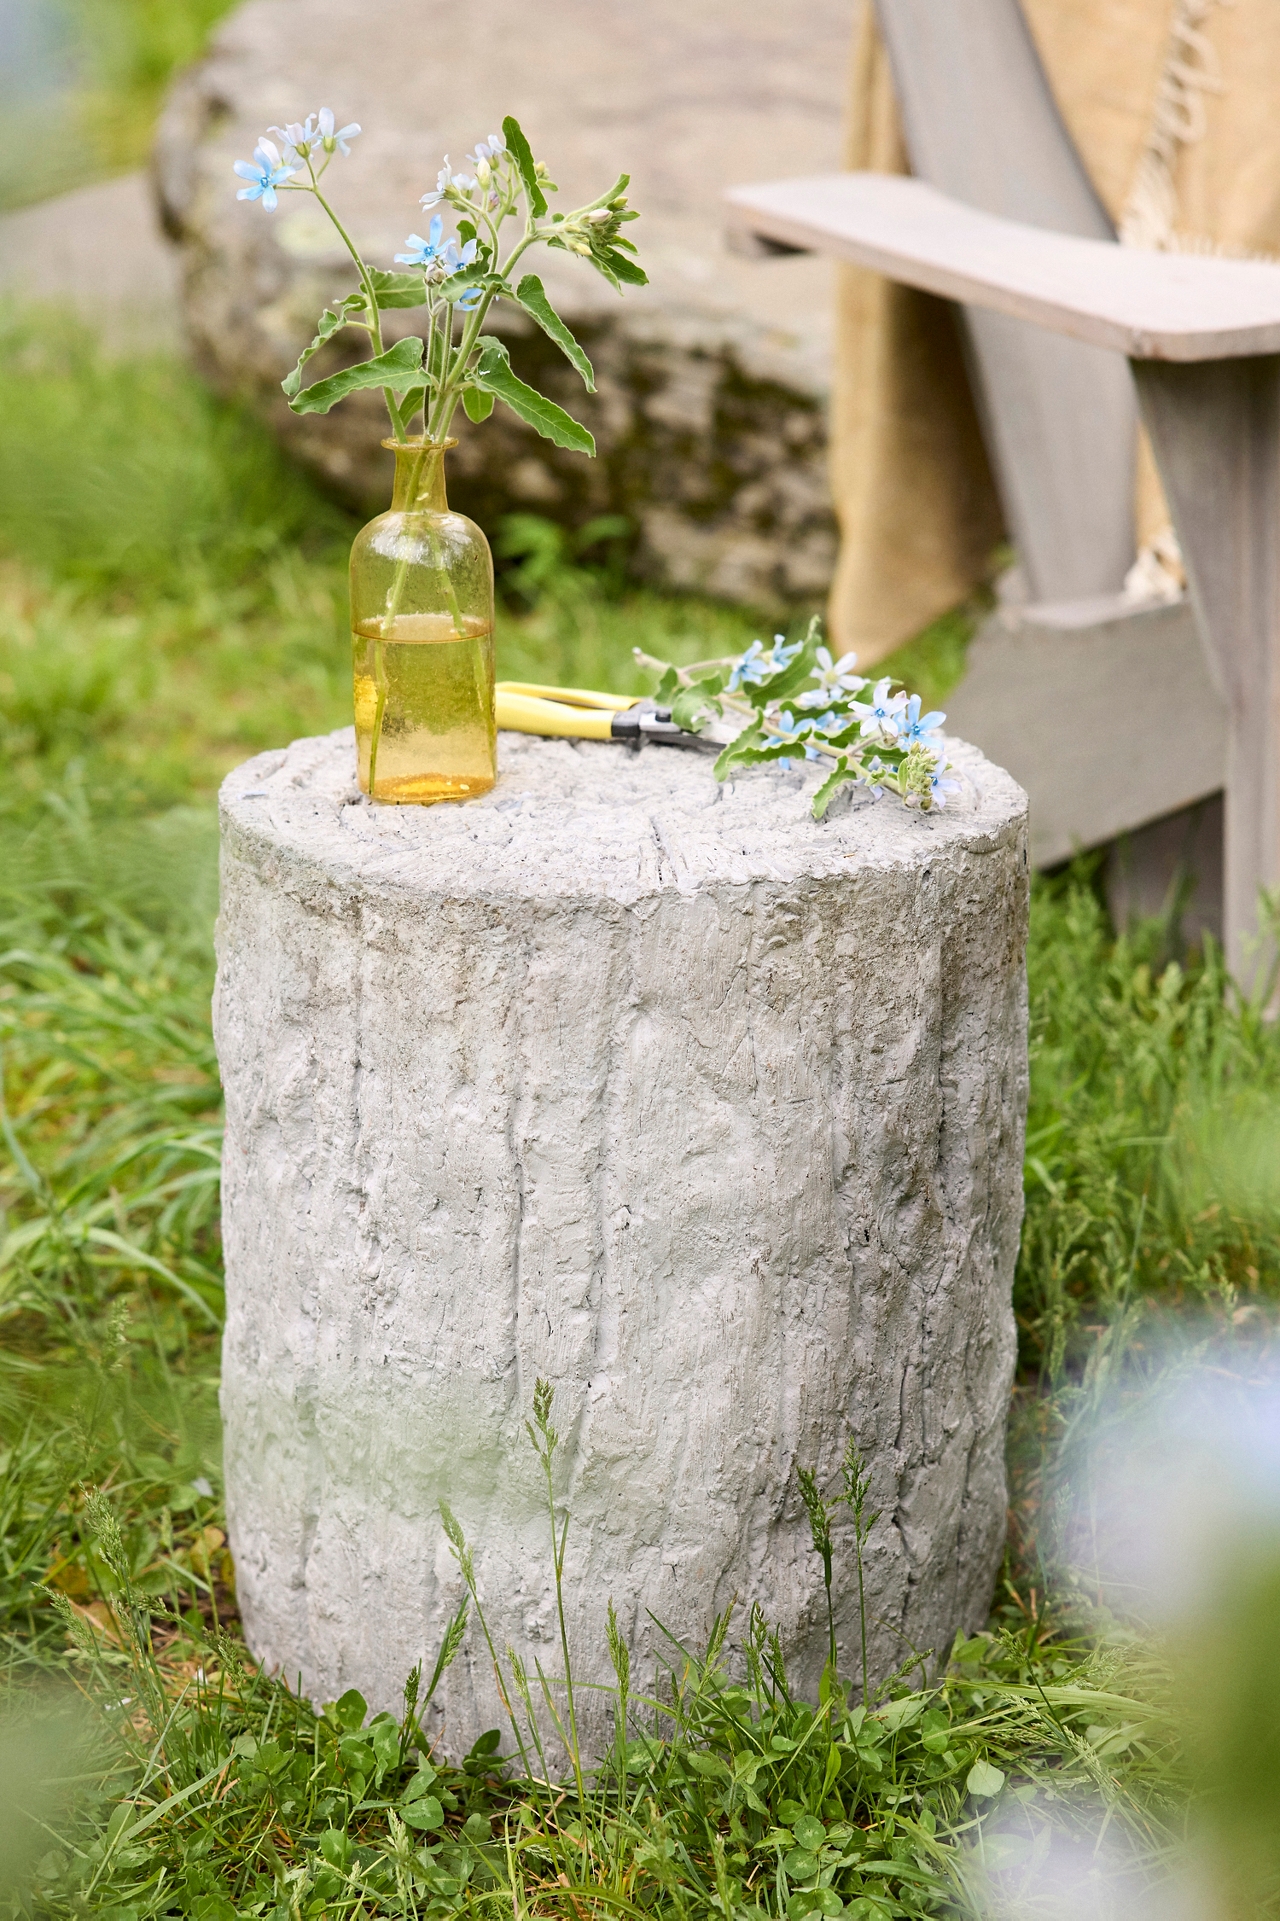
(171, 599)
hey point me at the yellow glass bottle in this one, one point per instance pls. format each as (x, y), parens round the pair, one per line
(422, 641)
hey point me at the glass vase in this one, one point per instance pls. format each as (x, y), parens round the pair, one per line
(422, 641)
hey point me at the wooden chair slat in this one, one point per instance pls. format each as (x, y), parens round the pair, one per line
(1148, 306)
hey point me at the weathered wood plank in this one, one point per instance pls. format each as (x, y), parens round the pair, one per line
(1103, 711)
(1215, 429)
(1059, 416)
(1149, 306)
(980, 120)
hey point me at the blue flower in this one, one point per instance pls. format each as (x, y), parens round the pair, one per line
(873, 775)
(439, 258)
(265, 176)
(298, 141)
(787, 729)
(446, 183)
(917, 730)
(881, 715)
(485, 159)
(330, 140)
(941, 786)
(750, 670)
(429, 252)
(488, 150)
(792, 727)
(755, 666)
(833, 677)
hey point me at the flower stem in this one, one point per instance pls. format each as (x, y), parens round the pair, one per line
(375, 328)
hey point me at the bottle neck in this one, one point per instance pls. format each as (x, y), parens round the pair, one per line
(419, 482)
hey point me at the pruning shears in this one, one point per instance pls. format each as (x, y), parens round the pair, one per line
(580, 713)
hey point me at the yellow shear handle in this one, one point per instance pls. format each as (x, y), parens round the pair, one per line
(568, 712)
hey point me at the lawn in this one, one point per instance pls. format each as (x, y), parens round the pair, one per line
(171, 600)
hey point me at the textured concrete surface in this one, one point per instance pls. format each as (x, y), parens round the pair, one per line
(100, 250)
(709, 1114)
(710, 414)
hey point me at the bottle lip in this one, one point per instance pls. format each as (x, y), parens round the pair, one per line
(417, 443)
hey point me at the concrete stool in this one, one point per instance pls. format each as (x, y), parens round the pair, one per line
(710, 1114)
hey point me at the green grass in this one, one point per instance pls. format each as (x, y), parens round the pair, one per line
(171, 600)
(1151, 1135)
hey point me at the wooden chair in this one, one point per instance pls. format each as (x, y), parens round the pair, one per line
(1111, 715)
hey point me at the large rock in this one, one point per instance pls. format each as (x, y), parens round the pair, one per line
(710, 415)
(706, 1113)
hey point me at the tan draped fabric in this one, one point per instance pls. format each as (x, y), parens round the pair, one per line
(1174, 106)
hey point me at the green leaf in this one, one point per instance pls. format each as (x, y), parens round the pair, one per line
(739, 749)
(396, 369)
(329, 323)
(425, 1814)
(620, 268)
(386, 1742)
(532, 297)
(753, 748)
(984, 1781)
(478, 405)
(519, 146)
(493, 374)
(693, 706)
(839, 774)
(350, 1709)
(800, 1865)
(899, 1714)
(335, 1847)
(468, 280)
(398, 289)
(902, 1871)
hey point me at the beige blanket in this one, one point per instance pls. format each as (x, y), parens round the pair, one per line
(1174, 106)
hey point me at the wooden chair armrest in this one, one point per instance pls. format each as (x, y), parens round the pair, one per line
(1150, 306)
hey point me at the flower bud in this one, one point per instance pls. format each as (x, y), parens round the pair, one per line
(482, 172)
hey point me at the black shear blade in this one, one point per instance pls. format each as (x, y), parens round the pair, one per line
(648, 722)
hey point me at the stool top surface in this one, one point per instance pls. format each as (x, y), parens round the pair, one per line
(568, 818)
